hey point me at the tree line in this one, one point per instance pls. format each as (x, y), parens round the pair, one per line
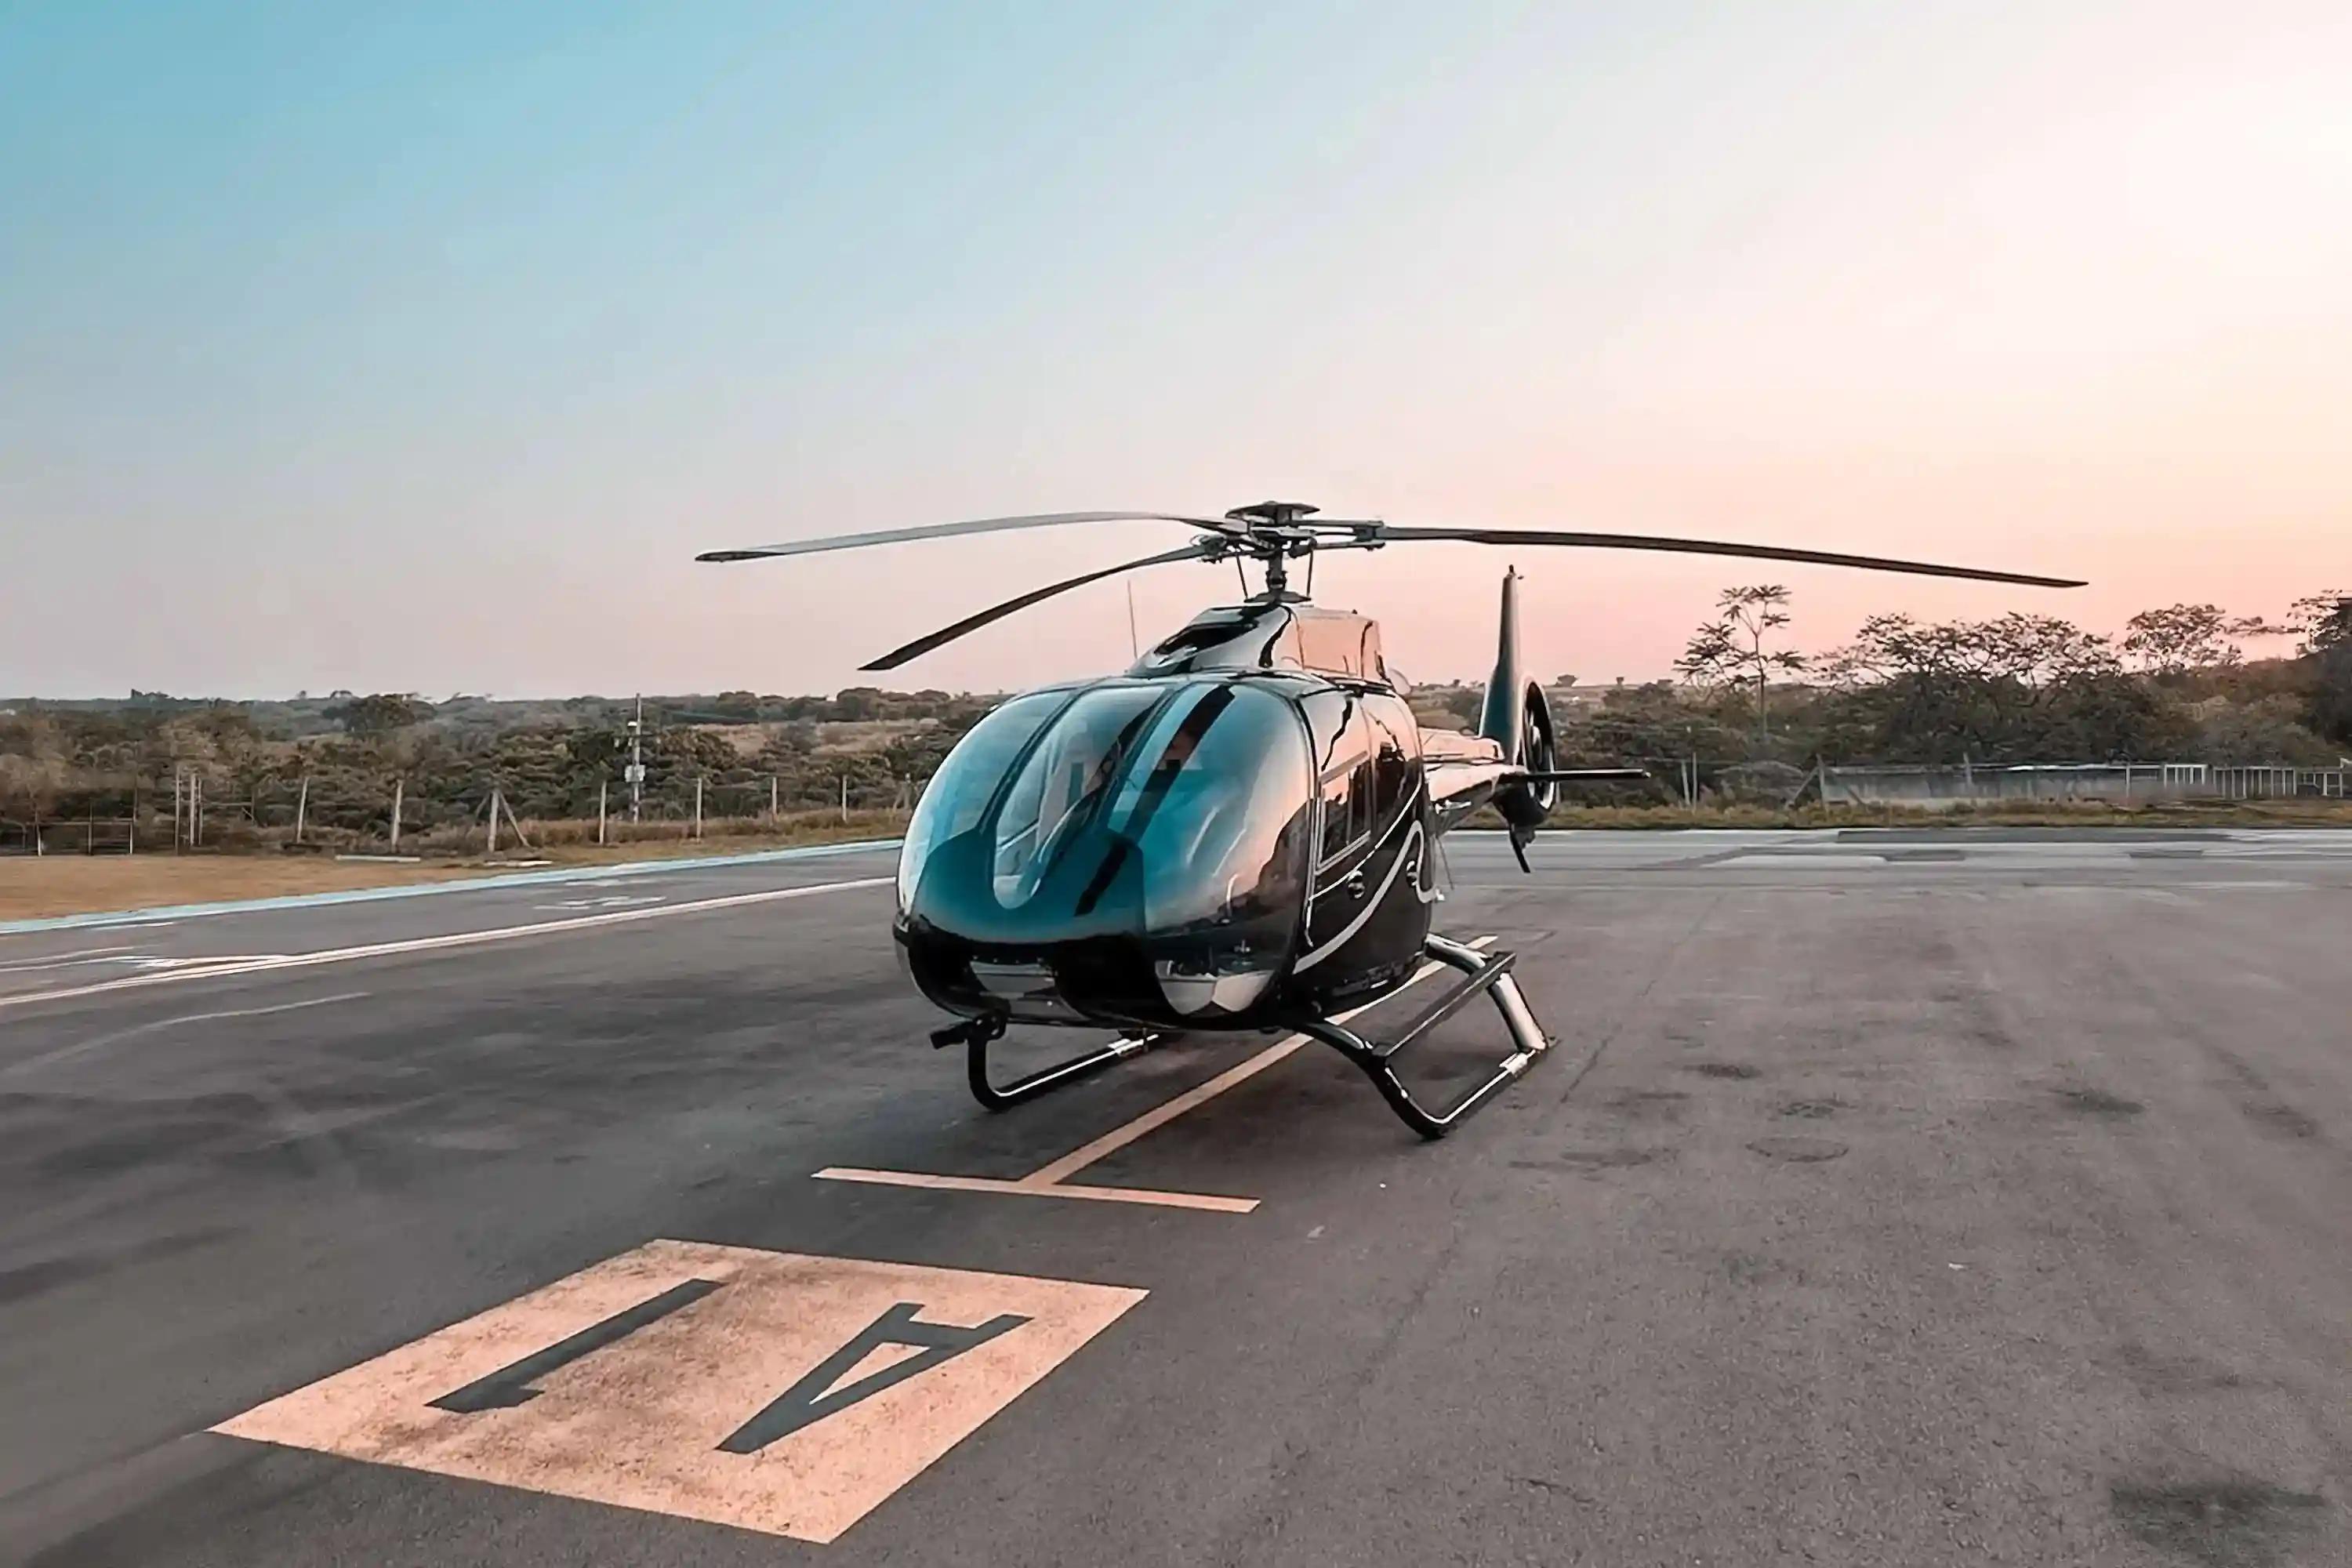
(2177, 684)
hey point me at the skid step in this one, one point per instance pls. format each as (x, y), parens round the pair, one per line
(1486, 974)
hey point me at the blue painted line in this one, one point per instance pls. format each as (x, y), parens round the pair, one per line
(425, 889)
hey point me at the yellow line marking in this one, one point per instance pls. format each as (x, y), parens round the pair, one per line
(1050, 1181)
(1119, 1138)
(675, 1411)
(434, 943)
(1029, 1187)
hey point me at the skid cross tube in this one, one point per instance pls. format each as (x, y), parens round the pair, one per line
(1488, 974)
(1029, 1086)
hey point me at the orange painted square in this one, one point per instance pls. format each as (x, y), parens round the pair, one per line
(639, 1422)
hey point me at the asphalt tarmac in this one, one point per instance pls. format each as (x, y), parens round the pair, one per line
(1916, 1197)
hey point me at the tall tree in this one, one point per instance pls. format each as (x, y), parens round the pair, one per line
(1730, 649)
(2180, 638)
(2325, 622)
(2017, 687)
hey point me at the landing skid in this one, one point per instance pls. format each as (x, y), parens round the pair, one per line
(977, 1034)
(1486, 974)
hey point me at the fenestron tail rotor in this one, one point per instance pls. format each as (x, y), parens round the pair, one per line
(1275, 532)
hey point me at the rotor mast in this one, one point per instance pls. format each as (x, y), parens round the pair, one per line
(1275, 536)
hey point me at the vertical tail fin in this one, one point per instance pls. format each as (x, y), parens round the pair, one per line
(1504, 718)
(1517, 718)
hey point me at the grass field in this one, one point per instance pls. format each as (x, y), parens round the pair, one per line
(52, 885)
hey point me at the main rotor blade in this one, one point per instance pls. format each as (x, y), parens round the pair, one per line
(949, 530)
(1389, 531)
(1199, 548)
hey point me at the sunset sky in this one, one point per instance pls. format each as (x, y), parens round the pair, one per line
(420, 349)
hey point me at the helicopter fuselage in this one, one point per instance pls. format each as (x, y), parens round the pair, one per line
(1235, 833)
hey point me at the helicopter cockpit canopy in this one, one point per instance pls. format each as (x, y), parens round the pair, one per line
(1266, 635)
(1131, 849)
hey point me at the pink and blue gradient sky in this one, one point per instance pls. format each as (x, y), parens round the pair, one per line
(423, 350)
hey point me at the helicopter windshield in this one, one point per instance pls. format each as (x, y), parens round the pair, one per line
(1063, 783)
(1173, 813)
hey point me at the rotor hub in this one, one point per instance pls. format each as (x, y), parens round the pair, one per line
(1272, 513)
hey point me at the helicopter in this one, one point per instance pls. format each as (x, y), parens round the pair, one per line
(1237, 833)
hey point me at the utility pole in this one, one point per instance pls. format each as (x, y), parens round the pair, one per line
(636, 772)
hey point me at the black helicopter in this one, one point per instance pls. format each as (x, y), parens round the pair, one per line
(1236, 834)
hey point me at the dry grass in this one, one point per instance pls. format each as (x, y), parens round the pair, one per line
(570, 839)
(51, 885)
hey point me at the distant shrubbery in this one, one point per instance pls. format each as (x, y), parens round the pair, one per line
(2175, 687)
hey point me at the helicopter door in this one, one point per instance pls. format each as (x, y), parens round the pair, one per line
(1349, 780)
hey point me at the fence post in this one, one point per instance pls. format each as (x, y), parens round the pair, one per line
(515, 822)
(399, 787)
(844, 797)
(301, 808)
(771, 797)
(495, 804)
(697, 805)
(601, 785)
(175, 808)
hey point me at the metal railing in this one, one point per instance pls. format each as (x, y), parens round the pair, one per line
(2120, 782)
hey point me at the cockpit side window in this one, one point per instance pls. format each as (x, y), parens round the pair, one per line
(1345, 771)
(958, 793)
(1396, 743)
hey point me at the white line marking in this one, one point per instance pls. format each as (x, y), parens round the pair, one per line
(70, 960)
(64, 1053)
(436, 943)
(1030, 1188)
